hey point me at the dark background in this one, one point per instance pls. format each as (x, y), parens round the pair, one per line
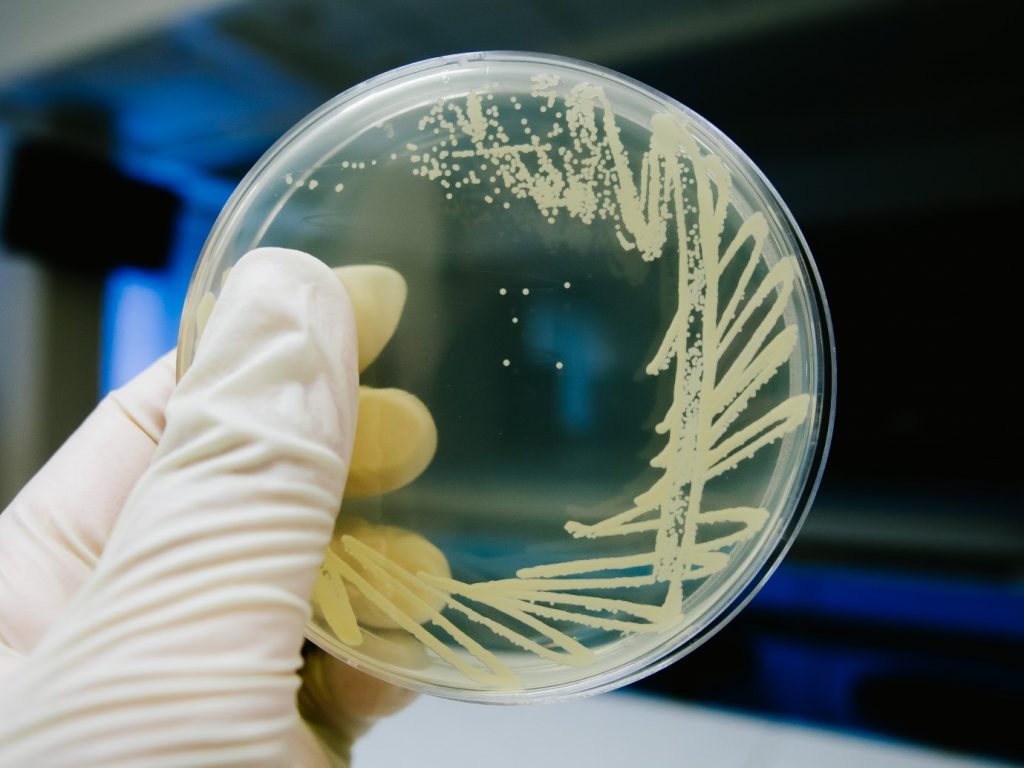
(892, 130)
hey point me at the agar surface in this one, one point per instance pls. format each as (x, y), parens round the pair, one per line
(675, 204)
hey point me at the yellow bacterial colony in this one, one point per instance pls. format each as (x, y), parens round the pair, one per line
(669, 201)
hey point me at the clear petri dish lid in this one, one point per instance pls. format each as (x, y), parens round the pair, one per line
(619, 333)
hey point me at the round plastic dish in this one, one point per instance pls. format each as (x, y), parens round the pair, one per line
(623, 342)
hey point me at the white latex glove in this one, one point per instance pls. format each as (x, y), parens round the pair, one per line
(155, 575)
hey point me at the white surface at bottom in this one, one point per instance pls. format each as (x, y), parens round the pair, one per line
(620, 729)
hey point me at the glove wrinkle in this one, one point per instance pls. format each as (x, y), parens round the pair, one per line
(53, 532)
(182, 646)
(144, 400)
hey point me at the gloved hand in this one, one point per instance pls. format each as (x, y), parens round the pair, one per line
(155, 575)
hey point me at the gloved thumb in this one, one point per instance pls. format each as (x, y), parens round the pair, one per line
(195, 613)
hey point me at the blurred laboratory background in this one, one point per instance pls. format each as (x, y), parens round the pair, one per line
(892, 129)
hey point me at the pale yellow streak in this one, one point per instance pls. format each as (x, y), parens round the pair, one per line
(520, 640)
(608, 605)
(481, 594)
(755, 229)
(613, 523)
(407, 550)
(513, 589)
(663, 357)
(500, 676)
(584, 619)
(780, 276)
(786, 417)
(604, 582)
(737, 391)
(752, 517)
(593, 565)
(621, 529)
(689, 458)
(331, 595)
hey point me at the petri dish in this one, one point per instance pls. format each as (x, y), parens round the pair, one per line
(621, 337)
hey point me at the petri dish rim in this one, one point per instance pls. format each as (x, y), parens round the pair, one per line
(761, 564)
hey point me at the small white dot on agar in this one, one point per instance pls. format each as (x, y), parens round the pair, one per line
(313, 183)
(289, 179)
(515, 320)
(567, 284)
(506, 362)
(526, 291)
(558, 365)
(502, 291)
(338, 187)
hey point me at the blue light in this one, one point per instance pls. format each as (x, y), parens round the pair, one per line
(134, 325)
(580, 341)
(895, 598)
(142, 308)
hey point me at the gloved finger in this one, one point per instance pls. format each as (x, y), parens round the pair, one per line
(377, 295)
(201, 595)
(396, 437)
(354, 591)
(53, 532)
(343, 702)
(378, 292)
(395, 441)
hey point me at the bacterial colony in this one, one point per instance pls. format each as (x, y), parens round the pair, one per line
(668, 200)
